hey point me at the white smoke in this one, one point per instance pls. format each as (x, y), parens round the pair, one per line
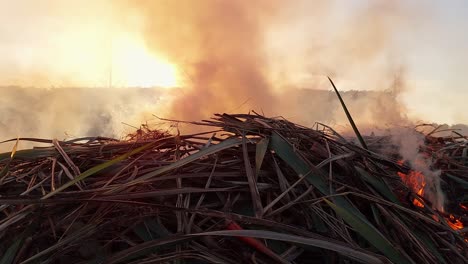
(411, 143)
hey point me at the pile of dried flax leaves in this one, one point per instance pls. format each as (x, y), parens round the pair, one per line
(256, 190)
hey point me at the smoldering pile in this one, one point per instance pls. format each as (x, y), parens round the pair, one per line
(254, 190)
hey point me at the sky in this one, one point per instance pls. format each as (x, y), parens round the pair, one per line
(426, 40)
(437, 59)
(362, 44)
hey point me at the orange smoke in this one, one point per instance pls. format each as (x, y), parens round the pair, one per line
(235, 56)
(218, 46)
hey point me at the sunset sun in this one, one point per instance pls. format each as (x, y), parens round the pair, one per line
(135, 66)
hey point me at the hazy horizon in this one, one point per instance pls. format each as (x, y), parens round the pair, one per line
(227, 52)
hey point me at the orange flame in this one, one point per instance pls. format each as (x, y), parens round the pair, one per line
(420, 193)
(454, 223)
(414, 180)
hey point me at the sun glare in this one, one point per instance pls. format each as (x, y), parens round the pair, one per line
(133, 65)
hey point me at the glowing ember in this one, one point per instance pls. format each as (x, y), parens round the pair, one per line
(454, 223)
(464, 207)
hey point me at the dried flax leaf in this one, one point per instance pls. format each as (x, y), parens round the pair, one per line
(67, 159)
(125, 255)
(286, 152)
(279, 197)
(97, 169)
(405, 231)
(117, 198)
(229, 143)
(348, 115)
(71, 238)
(370, 233)
(255, 195)
(5, 169)
(378, 184)
(261, 149)
(349, 252)
(15, 147)
(11, 253)
(282, 181)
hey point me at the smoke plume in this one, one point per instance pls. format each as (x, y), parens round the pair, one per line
(72, 112)
(219, 47)
(233, 56)
(410, 143)
(244, 55)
